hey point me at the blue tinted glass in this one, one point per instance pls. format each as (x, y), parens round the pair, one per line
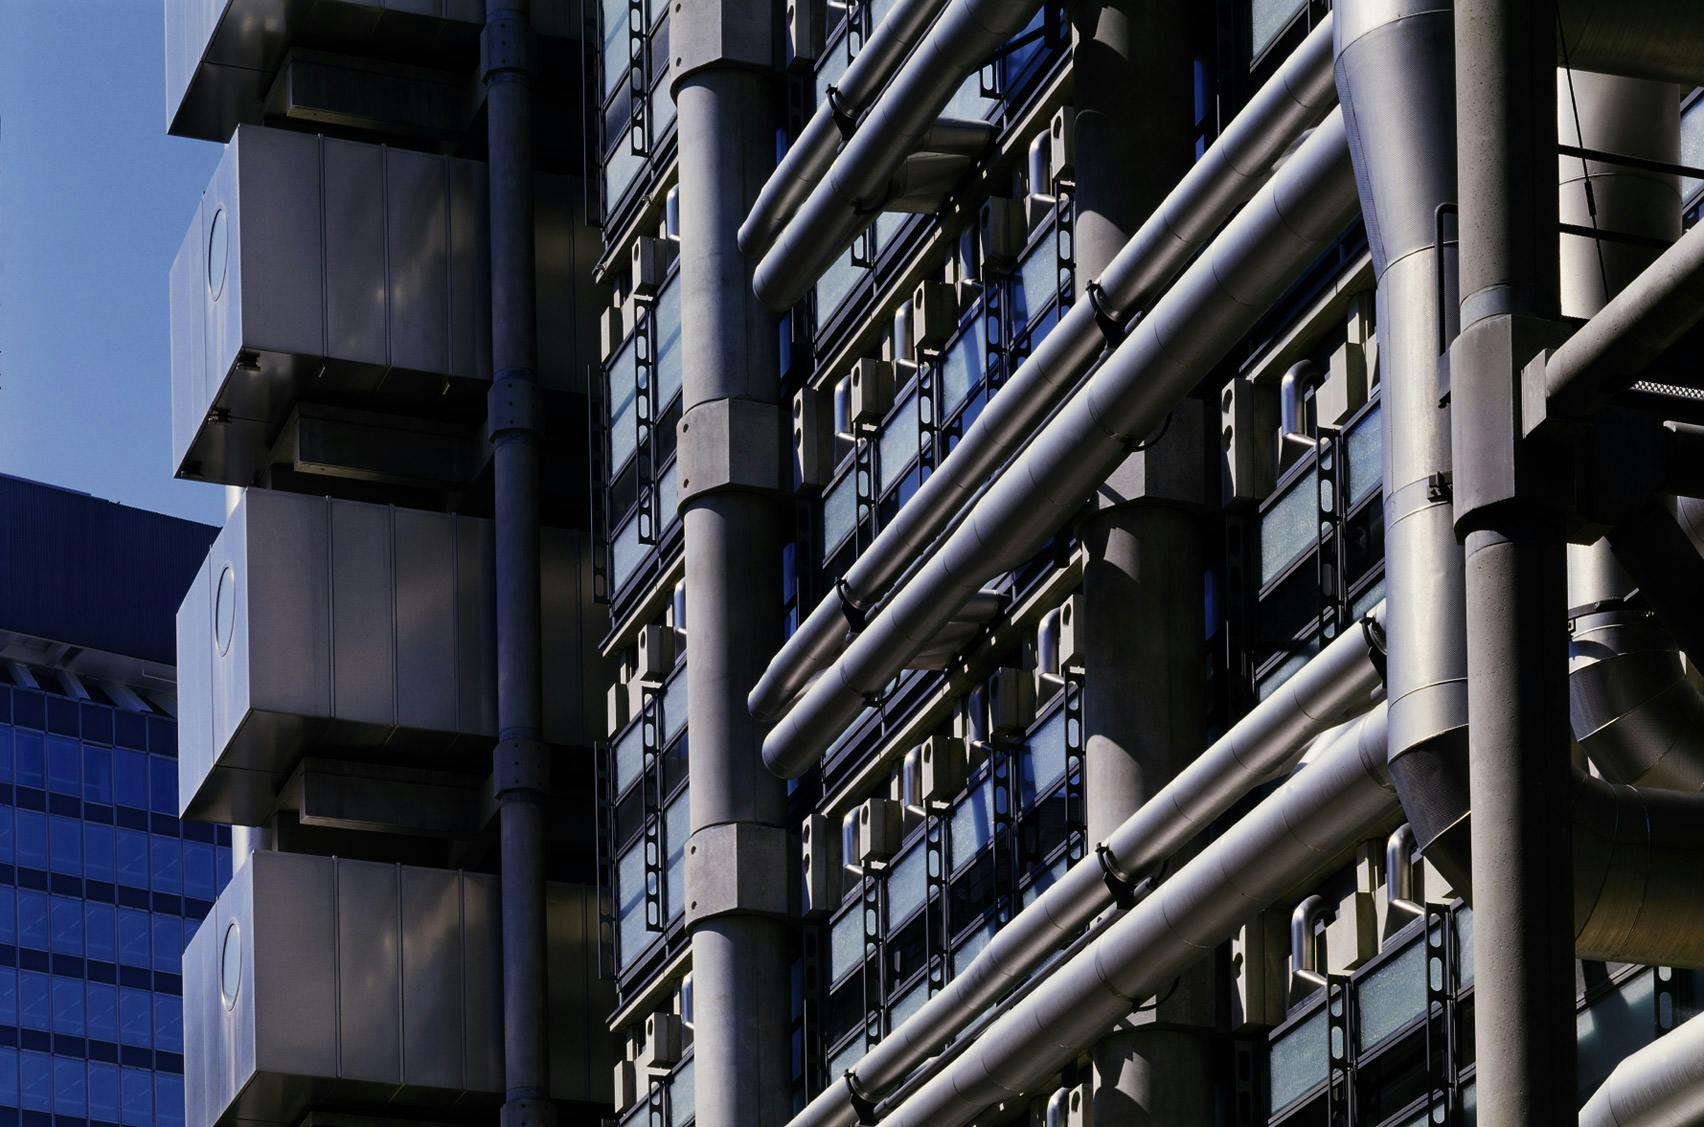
(97, 852)
(163, 784)
(32, 1000)
(31, 844)
(168, 943)
(27, 748)
(32, 919)
(64, 765)
(138, 1087)
(67, 926)
(133, 937)
(168, 869)
(130, 777)
(135, 1017)
(8, 1078)
(8, 996)
(168, 1023)
(100, 922)
(69, 1094)
(68, 1006)
(6, 833)
(97, 774)
(8, 917)
(65, 843)
(5, 753)
(103, 1011)
(132, 858)
(35, 1079)
(168, 1099)
(103, 1091)
(198, 875)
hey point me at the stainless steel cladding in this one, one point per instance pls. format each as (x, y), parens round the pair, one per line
(319, 626)
(318, 979)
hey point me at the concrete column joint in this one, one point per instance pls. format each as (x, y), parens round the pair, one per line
(514, 405)
(506, 46)
(708, 33)
(520, 765)
(729, 444)
(739, 868)
(523, 1112)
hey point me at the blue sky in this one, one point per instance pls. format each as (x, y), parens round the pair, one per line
(94, 199)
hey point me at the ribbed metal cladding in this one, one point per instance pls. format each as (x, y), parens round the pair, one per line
(1283, 228)
(1341, 681)
(1238, 162)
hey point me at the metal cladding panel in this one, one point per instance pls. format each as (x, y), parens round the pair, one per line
(281, 645)
(468, 246)
(355, 236)
(417, 204)
(573, 669)
(369, 973)
(476, 635)
(581, 1046)
(195, 681)
(274, 260)
(433, 980)
(187, 310)
(293, 1007)
(363, 641)
(482, 983)
(427, 571)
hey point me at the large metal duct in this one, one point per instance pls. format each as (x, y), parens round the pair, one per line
(858, 184)
(1655, 39)
(1341, 796)
(1661, 1085)
(1238, 162)
(810, 156)
(1217, 300)
(1395, 78)
(1339, 682)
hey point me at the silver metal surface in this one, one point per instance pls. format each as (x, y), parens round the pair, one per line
(363, 984)
(1305, 205)
(1231, 170)
(1660, 1085)
(355, 628)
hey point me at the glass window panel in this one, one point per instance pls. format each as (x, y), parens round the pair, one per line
(133, 937)
(626, 554)
(31, 766)
(5, 753)
(681, 1102)
(35, 1081)
(1298, 1060)
(9, 1078)
(1044, 880)
(670, 367)
(70, 1096)
(132, 848)
(668, 496)
(897, 447)
(8, 917)
(67, 918)
(199, 879)
(1464, 946)
(1390, 996)
(962, 367)
(674, 705)
(968, 102)
(1364, 445)
(103, 1091)
(971, 946)
(33, 1000)
(835, 285)
(839, 512)
(1614, 1025)
(130, 777)
(1287, 528)
(677, 827)
(848, 1056)
(168, 943)
(829, 71)
(167, 865)
(64, 765)
(629, 757)
(1692, 145)
(162, 785)
(31, 842)
(8, 996)
(65, 844)
(972, 824)
(631, 933)
(620, 170)
(135, 1017)
(1267, 18)
(1043, 761)
(6, 847)
(908, 1003)
(138, 1098)
(1038, 282)
(68, 1006)
(103, 1011)
(623, 406)
(615, 57)
(33, 927)
(907, 885)
(846, 943)
(168, 1023)
(98, 852)
(662, 111)
(100, 928)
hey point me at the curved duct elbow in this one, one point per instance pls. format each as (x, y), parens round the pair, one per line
(1633, 710)
(1638, 865)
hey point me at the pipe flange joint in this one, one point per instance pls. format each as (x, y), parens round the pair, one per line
(862, 1106)
(514, 405)
(520, 765)
(505, 45)
(527, 1113)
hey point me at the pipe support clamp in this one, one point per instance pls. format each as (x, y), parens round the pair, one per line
(726, 444)
(739, 868)
(505, 45)
(518, 765)
(514, 403)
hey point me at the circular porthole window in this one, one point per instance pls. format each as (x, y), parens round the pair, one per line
(225, 609)
(231, 965)
(218, 244)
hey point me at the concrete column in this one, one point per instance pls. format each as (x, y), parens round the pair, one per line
(1142, 583)
(1519, 773)
(730, 436)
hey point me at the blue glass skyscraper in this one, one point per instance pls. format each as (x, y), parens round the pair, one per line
(100, 884)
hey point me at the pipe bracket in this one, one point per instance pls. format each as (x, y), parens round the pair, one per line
(845, 123)
(1377, 654)
(1123, 889)
(855, 616)
(514, 404)
(862, 1106)
(520, 765)
(505, 45)
(1112, 327)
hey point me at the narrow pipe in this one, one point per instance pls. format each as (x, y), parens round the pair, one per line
(1660, 1085)
(810, 156)
(1283, 228)
(1340, 681)
(518, 765)
(1232, 169)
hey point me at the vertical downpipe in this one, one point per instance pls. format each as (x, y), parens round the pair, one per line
(519, 767)
(726, 104)
(1144, 644)
(1520, 781)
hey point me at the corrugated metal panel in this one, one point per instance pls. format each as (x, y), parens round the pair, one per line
(93, 573)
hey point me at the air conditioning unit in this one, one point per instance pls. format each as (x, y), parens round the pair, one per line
(881, 825)
(813, 438)
(656, 648)
(1004, 232)
(660, 1044)
(944, 765)
(819, 851)
(934, 315)
(647, 262)
(807, 25)
(871, 386)
(1011, 701)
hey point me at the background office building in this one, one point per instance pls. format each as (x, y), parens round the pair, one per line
(102, 884)
(944, 561)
